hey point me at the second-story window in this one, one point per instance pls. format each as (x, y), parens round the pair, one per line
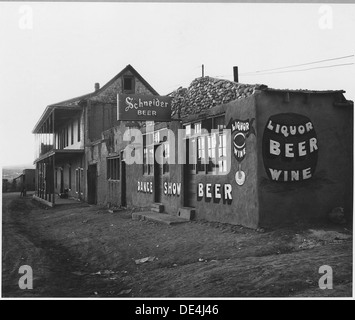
(128, 84)
(72, 133)
(78, 129)
(66, 136)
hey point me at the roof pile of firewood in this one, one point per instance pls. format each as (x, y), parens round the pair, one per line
(204, 93)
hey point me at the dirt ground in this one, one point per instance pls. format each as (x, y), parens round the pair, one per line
(85, 251)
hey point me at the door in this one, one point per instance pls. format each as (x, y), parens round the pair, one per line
(78, 182)
(158, 177)
(61, 180)
(190, 191)
(123, 182)
(92, 184)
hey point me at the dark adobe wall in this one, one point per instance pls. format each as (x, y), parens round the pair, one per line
(327, 180)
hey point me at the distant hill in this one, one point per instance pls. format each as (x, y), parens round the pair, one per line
(11, 172)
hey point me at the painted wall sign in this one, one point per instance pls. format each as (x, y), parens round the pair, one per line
(215, 192)
(290, 147)
(145, 186)
(241, 130)
(138, 107)
(172, 188)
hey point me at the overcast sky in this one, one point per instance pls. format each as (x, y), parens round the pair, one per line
(70, 46)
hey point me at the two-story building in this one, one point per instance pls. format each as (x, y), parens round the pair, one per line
(68, 129)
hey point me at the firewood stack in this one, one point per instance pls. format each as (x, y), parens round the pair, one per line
(204, 93)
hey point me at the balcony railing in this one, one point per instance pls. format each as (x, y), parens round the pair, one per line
(43, 144)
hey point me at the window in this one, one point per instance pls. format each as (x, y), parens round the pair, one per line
(197, 127)
(209, 149)
(211, 152)
(191, 147)
(113, 168)
(79, 130)
(61, 143)
(66, 133)
(201, 154)
(219, 124)
(188, 130)
(77, 180)
(148, 154)
(69, 172)
(79, 173)
(222, 153)
(72, 133)
(201, 148)
(128, 84)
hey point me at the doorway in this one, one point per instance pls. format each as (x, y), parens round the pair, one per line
(158, 176)
(92, 184)
(61, 169)
(123, 182)
(190, 174)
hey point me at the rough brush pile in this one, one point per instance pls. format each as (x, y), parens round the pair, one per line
(207, 92)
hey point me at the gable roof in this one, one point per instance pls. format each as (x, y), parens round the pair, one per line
(75, 102)
(125, 70)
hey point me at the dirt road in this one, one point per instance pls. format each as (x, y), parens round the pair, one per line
(84, 251)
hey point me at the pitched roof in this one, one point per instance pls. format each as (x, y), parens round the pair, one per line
(76, 101)
(125, 70)
(71, 102)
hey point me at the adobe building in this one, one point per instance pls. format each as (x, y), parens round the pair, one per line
(25, 180)
(274, 156)
(291, 156)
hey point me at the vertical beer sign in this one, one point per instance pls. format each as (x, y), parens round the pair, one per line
(143, 107)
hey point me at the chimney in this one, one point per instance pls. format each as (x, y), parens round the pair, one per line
(97, 86)
(235, 74)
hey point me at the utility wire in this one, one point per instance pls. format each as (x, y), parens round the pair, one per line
(298, 70)
(263, 72)
(298, 65)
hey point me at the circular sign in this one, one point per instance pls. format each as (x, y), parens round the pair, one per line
(240, 177)
(239, 140)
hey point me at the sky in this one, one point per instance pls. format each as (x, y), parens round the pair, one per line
(51, 52)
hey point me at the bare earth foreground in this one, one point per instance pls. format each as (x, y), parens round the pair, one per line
(84, 251)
